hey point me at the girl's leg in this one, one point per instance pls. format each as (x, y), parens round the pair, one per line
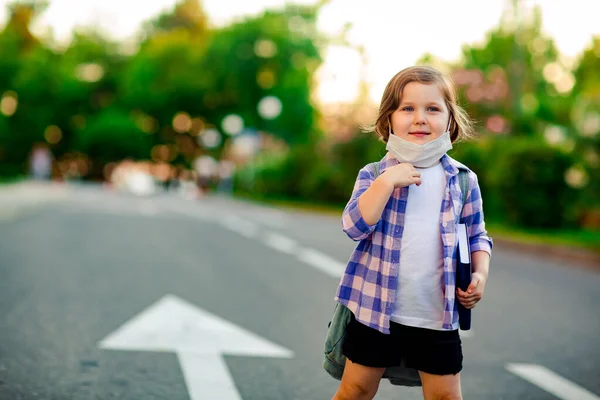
(359, 382)
(441, 387)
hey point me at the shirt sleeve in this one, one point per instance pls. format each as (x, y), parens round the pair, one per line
(353, 222)
(473, 216)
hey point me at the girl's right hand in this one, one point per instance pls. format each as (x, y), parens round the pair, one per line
(401, 175)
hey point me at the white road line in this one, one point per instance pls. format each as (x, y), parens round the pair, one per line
(551, 382)
(243, 227)
(273, 221)
(267, 216)
(322, 262)
(280, 242)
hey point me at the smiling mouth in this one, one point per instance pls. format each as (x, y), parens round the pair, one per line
(418, 133)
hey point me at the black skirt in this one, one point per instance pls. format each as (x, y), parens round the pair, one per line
(427, 350)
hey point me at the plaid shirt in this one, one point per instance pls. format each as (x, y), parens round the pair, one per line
(368, 287)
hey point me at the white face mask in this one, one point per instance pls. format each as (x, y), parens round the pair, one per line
(420, 155)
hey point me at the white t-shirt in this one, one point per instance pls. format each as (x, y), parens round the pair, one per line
(419, 297)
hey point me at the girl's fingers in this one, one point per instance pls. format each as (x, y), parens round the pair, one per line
(467, 296)
(468, 303)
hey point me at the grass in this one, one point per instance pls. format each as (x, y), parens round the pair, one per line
(6, 180)
(574, 238)
(580, 238)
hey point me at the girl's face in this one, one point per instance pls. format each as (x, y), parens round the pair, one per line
(422, 115)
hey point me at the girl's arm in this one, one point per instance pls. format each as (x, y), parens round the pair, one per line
(370, 196)
(481, 247)
(473, 216)
(480, 262)
(372, 202)
(353, 223)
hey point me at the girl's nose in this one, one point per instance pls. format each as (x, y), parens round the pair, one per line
(419, 117)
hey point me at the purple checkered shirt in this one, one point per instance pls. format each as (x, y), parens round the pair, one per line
(368, 287)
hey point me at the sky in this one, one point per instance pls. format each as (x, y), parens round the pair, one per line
(394, 33)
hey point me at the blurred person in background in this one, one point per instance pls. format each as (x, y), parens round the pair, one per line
(225, 170)
(205, 168)
(40, 163)
(405, 311)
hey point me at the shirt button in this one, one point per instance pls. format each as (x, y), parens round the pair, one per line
(444, 224)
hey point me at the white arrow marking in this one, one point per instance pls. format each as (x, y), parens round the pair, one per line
(199, 339)
(551, 382)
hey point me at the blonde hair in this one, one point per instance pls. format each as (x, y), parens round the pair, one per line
(461, 126)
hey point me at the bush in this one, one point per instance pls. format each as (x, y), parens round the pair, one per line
(529, 180)
(277, 175)
(312, 173)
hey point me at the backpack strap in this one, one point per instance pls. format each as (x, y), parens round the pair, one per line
(463, 179)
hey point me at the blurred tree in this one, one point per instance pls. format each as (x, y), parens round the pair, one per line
(21, 15)
(90, 69)
(585, 116)
(187, 14)
(183, 68)
(515, 81)
(18, 47)
(111, 135)
(163, 77)
(273, 56)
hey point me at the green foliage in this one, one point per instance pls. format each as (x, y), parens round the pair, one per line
(531, 183)
(322, 172)
(112, 135)
(181, 66)
(509, 78)
(281, 176)
(523, 182)
(261, 57)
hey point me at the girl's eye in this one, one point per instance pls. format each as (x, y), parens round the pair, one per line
(407, 108)
(432, 108)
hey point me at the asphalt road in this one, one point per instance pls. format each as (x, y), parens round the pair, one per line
(110, 296)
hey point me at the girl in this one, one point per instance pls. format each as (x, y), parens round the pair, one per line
(400, 280)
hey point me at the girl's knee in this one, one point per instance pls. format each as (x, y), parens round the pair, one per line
(450, 396)
(442, 394)
(355, 391)
(441, 387)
